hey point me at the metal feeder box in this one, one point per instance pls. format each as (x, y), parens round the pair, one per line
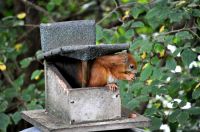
(65, 46)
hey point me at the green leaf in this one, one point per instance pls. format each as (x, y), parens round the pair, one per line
(173, 88)
(146, 72)
(157, 15)
(154, 23)
(177, 51)
(152, 13)
(155, 61)
(124, 1)
(39, 54)
(19, 81)
(154, 90)
(107, 35)
(155, 123)
(99, 32)
(144, 30)
(188, 84)
(4, 122)
(182, 103)
(50, 6)
(162, 91)
(121, 30)
(145, 90)
(196, 12)
(173, 116)
(127, 25)
(158, 48)
(26, 62)
(129, 34)
(126, 96)
(3, 105)
(137, 24)
(16, 117)
(136, 87)
(136, 44)
(182, 117)
(157, 74)
(176, 40)
(28, 93)
(146, 46)
(196, 93)
(188, 56)
(151, 111)
(136, 11)
(197, 49)
(194, 111)
(169, 39)
(57, 2)
(33, 105)
(10, 93)
(143, 1)
(175, 16)
(36, 74)
(171, 63)
(184, 35)
(142, 98)
(134, 103)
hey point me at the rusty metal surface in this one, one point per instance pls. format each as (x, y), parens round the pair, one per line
(48, 123)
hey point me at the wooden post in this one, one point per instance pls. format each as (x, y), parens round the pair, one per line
(84, 73)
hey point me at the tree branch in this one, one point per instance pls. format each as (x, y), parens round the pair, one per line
(8, 79)
(179, 30)
(25, 25)
(23, 36)
(40, 9)
(118, 6)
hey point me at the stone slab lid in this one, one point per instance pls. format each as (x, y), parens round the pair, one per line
(74, 39)
(86, 52)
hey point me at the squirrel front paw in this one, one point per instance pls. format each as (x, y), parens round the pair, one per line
(130, 76)
(112, 86)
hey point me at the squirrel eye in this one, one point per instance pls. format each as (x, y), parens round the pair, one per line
(131, 66)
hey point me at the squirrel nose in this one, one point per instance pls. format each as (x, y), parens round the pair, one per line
(131, 66)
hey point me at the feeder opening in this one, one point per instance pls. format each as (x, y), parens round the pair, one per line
(74, 71)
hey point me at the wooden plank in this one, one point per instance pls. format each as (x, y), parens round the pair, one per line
(49, 123)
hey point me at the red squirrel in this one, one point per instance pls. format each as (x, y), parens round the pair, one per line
(106, 70)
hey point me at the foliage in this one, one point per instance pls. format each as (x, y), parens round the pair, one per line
(15, 93)
(163, 36)
(166, 47)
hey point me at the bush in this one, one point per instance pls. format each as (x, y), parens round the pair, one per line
(163, 36)
(164, 39)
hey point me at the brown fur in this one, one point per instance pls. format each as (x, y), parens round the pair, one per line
(116, 65)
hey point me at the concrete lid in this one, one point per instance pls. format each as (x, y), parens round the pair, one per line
(86, 52)
(59, 34)
(74, 39)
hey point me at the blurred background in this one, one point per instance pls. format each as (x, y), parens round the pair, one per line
(164, 36)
